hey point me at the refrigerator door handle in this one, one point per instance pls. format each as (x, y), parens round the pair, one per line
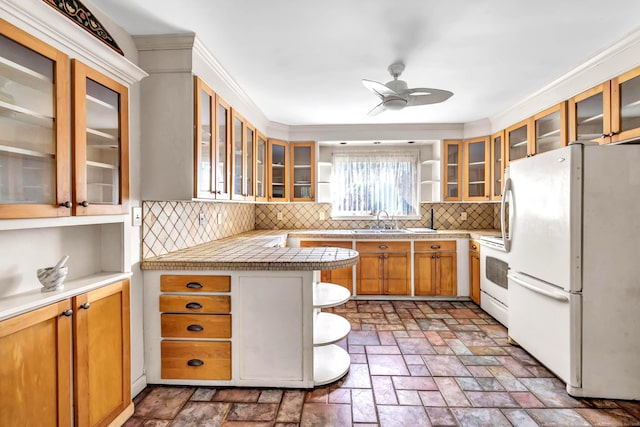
(503, 207)
(553, 295)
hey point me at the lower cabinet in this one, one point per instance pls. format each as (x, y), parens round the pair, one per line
(38, 353)
(435, 268)
(384, 268)
(339, 276)
(195, 327)
(474, 271)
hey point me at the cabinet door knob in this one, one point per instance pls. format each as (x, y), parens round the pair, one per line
(195, 362)
(85, 306)
(194, 305)
(66, 204)
(84, 203)
(474, 247)
(433, 256)
(435, 246)
(67, 313)
(383, 247)
(194, 285)
(195, 328)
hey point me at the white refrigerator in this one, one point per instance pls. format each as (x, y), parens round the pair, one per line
(574, 277)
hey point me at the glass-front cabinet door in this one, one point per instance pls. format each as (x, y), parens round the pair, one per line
(261, 167)
(203, 143)
(625, 106)
(452, 167)
(278, 169)
(101, 136)
(249, 163)
(35, 158)
(550, 127)
(589, 115)
(476, 161)
(237, 157)
(517, 141)
(497, 165)
(222, 149)
(303, 171)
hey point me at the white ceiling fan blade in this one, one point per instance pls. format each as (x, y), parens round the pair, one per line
(377, 110)
(425, 96)
(378, 88)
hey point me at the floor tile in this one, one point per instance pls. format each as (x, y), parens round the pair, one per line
(163, 402)
(479, 417)
(608, 417)
(203, 394)
(557, 417)
(441, 417)
(432, 398)
(446, 366)
(383, 390)
(408, 397)
(387, 365)
(340, 395)
(551, 392)
(203, 414)
(358, 376)
(363, 338)
(452, 394)
(414, 383)
(236, 395)
(291, 406)
(491, 399)
(519, 418)
(252, 412)
(382, 349)
(364, 410)
(526, 399)
(270, 396)
(506, 378)
(319, 414)
(402, 416)
(415, 346)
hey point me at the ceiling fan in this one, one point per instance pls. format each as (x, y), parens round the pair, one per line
(395, 95)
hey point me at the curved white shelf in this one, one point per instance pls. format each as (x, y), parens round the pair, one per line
(329, 328)
(329, 295)
(330, 363)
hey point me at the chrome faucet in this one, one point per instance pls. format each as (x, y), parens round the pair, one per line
(378, 218)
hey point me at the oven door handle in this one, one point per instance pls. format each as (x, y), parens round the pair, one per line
(550, 294)
(503, 207)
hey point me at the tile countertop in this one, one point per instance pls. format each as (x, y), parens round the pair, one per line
(261, 250)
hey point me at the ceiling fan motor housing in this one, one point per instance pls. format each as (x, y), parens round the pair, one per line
(394, 102)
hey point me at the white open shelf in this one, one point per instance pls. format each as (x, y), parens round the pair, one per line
(329, 328)
(331, 363)
(329, 295)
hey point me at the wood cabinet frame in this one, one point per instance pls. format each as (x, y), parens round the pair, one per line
(199, 87)
(445, 163)
(249, 164)
(500, 172)
(237, 193)
(474, 271)
(616, 135)
(265, 169)
(562, 109)
(277, 143)
(223, 193)
(507, 139)
(487, 166)
(61, 129)
(80, 74)
(294, 163)
(605, 89)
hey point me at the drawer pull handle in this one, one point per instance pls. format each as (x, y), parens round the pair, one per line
(195, 328)
(435, 246)
(195, 362)
(383, 247)
(194, 305)
(194, 285)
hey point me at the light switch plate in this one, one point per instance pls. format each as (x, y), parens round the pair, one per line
(463, 216)
(136, 216)
(321, 216)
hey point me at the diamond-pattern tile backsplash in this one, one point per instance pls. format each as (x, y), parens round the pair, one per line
(307, 216)
(170, 226)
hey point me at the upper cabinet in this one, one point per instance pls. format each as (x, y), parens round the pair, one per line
(101, 138)
(477, 169)
(249, 162)
(452, 170)
(303, 171)
(550, 129)
(625, 106)
(589, 115)
(278, 158)
(238, 171)
(35, 156)
(261, 168)
(497, 164)
(223, 150)
(517, 139)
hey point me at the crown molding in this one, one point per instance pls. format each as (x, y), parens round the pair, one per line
(175, 41)
(367, 132)
(39, 19)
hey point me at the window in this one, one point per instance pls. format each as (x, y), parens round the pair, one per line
(366, 182)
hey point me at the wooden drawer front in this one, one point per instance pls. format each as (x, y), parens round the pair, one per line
(197, 360)
(320, 243)
(383, 246)
(188, 283)
(196, 325)
(195, 304)
(474, 246)
(434, 245)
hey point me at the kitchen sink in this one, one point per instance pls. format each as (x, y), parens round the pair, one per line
(378, 231)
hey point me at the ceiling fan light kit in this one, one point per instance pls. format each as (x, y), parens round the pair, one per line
(396, 95)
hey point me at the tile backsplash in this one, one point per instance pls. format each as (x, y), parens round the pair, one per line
(172, 225)
(307, 216)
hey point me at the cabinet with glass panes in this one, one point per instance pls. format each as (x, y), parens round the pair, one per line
(261, 167)
(452, 170)
(303, 171)
(476, 161)
(550, 128)
(278, 160)
(497, 164)
(517, 139)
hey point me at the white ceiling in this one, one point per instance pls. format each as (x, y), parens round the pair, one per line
(301, 61)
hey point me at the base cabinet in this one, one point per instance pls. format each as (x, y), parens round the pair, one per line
(474, 271)
(435, 268)
(384, 268)
(38, 354)
(339, 276)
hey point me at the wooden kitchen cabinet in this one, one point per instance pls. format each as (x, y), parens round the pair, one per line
(303, 171)
(239, 164)
(35, 127)
(590, 114)
(278, 160)
(550, 129)
(518, 141)
(223, 149)
(384, 268)
(477, 169)
(474, 271)
(625, 106)
(435, 268)
(101, 143)
(262, 176)
(452, 170)
(497, 165)
(339, 276)
(38, 354)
